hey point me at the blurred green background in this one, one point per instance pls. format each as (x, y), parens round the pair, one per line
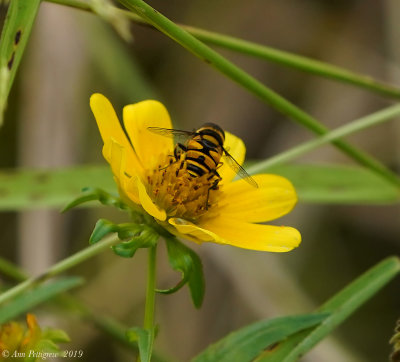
(48, 124)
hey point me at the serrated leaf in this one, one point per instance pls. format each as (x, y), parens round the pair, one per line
(186, 261)
(32, 298)
(336, 184)
(144, 339)
(340, 307)
(14, 37)
(247, 343)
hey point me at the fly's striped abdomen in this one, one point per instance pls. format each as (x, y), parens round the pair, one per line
(203, 152)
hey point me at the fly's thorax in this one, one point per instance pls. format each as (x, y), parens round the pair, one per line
(172, 187)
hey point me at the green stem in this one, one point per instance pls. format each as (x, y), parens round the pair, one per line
(60, 267)
(346, 130)
(151, 290)
(251, 84)
(287, 59)
(235, 73)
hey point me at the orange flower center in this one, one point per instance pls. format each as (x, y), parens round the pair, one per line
(181, 195)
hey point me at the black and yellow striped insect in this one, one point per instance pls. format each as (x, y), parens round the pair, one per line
(203, 151)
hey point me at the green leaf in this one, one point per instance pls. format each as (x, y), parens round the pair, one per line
(36, 296)
(247, 343)
(185, 260)
(14, 37)
(340, 307)
(335, 184)
(145, 339)
(32, 189)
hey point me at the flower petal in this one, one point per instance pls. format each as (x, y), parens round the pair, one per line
(236, 148)
(110, 128)
(148, 145)
(115, 154)
(274, 197)
(191, 231)
(253, 236)
(148, 204)
(239, 234)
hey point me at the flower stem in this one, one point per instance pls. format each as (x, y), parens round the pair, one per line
(151, 289)
(60, 267)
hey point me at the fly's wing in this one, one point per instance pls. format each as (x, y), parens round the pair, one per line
(239, 169)
(179, 135)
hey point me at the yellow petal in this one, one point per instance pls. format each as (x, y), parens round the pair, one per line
(115, 154)
(274, 197)
(239, 234)
(191, 231)
(148, 145)
(110, 128)
(236, 148)
(253, 236)
(148, 204)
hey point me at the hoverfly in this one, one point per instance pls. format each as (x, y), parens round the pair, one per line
(203, 150)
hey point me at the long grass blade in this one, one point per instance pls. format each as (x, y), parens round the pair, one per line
(244, 79)
(264, 52)
(14, 37)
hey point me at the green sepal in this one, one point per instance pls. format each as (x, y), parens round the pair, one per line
(96, 194)
(146, 239)
(104, 227)
(185, 260)
(144, 339)
(133, 236)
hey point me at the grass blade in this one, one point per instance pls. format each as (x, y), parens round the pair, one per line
(14, 37)
(251, 84)
(29, 300)
(341, 306)
(248, 342)
(264, 52)
(360, 124)
(337, 184)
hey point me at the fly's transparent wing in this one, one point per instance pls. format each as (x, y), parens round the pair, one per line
(234, 165)
(179, 135)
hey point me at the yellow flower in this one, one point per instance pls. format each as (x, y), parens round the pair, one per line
(146, 178)
(15, 338)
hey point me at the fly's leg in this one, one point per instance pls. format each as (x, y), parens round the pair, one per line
(176, 157)
(214, 185)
